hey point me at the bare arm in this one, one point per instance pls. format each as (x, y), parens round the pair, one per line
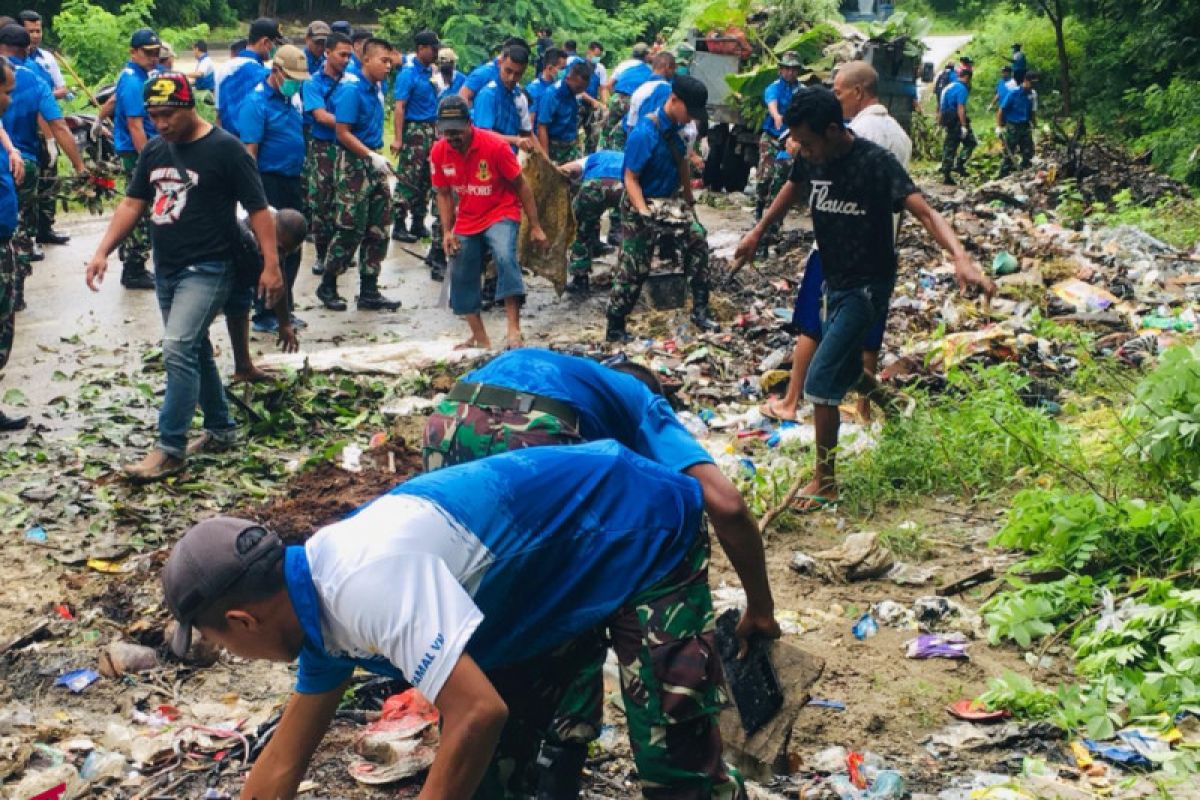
(252, 149)
(325, 118)
(16, 162)
(773, 110)
(128, 212)
(962, 115)
(633, 190)
(66, 141)
(782, 203)
(445, 202)
(398, 126)
(279, 770)
(965, 270)
(136, 132)
(466, 94)
(543, 136)
(351, 142)
(473, 714)
(740, 539)
(270, 283)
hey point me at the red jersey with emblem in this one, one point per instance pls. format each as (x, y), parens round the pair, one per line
(482, 178)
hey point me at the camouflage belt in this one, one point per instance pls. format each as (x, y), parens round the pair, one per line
(485, 394)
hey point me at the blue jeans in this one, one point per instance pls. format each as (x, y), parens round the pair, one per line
(466, 273)
(810, 297)
(189, 300)
(850, 314)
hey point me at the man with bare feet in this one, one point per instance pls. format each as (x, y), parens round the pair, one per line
(857, 186)
(480, 168)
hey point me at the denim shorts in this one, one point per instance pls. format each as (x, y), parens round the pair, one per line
(850, 315)
(241, 298)
(810, 299)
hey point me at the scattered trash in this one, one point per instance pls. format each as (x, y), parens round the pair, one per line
(401, 744)
(101, 765)
(972, 711)
(124, 658)
(351, 456)
(866, 627)
(903, 574)
(35, 534)
(836, 705)
(77, 679)
(928, 645)
(1005, 264)
(860, 557)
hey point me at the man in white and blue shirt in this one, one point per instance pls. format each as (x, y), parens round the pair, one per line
(246, 71)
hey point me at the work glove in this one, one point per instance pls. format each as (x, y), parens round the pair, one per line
(381, 164)
(999, 130)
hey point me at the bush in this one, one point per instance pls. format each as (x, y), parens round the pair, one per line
(1166, 418)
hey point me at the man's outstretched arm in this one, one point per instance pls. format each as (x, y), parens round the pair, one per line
(280, 769)
(473, 714)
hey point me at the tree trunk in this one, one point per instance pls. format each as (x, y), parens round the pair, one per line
(1060, 42)
(266, 8)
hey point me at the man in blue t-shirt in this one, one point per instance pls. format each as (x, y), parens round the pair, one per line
(1015, 119)
(776, 98)
(32, 103)
(627, 77)
(952, 115)
(246, 71)
(602, 189)
(321, 125)
(558, 114)
(656, 168)
(500, 577)
(415, 101)
(552, 61)
(1003, 86)
(271, 125)
(500, 106)
(363, 197)
(8, 226)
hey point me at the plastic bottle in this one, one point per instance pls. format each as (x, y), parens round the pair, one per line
(888, 784)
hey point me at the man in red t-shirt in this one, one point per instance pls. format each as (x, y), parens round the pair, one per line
(479, 167)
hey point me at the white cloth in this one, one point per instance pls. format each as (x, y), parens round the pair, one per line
(48, 62)
(394, 581)
(601, 73)
(638, 99)
(205, 66)
(624, 65)
(874, 124)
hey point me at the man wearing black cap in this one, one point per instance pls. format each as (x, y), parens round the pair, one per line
(246, 71)
(362, 196)
(483, 585)
(656, 167)
(626, 78)
(32, 104)
(480, 167)
(314, 45)
(415, 112)
(191, 180)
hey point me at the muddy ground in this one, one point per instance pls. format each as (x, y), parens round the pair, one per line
(60, 609)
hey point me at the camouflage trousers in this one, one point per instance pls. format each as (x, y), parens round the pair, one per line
(362, 216)
(589, 129)
(957, 136)
(1018, 141)
(459, 432)
(768, 146)
(594, 198)
(612, 137)
(319, 193)
(413, 183)
(671, 684)
(134, 252)
(638, 239)
(8, 288)
(27, 220)
(563, 152)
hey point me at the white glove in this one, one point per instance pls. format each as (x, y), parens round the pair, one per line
(381, 163)
(999, 131)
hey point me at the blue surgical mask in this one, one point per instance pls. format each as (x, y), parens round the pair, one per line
(289, 87)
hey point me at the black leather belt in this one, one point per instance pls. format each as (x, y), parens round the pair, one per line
(489, 396)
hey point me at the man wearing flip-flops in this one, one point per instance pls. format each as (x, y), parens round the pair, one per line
(856, 187)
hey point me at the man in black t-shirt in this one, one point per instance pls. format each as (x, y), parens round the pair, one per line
(855, 187)
(193, 232)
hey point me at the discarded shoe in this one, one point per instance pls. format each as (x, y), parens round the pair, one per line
(8, 423)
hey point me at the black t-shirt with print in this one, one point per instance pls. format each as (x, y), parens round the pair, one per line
(852, 200)
(199, 223)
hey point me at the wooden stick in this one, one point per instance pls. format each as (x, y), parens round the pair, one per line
(771, 514)
(91, 97)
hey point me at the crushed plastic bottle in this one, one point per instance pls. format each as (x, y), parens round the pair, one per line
(695, 426)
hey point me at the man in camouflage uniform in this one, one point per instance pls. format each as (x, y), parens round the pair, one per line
(622, 86)
(532, 398)
(656, 167)
(8, 263)
(415, 97)
(321, 160)
(602, 190)
(362, 206)
(776, 98)
(558, 114)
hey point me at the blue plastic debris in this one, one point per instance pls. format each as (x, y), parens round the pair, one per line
(866, 627)
(77, 679)
(36, 534)
(836, 705)
(1118, 754)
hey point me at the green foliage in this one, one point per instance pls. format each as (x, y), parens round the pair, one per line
(1166, 417)
(1172, 124)
(975, 440)
(1031, 611)
(1175, 220)
(1019, 696)
(786, 18)
(911, 28)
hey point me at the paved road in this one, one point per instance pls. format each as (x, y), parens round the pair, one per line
(941, 48)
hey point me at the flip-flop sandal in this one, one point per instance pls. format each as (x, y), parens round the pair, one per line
(972, 711)
(818, 503)
(765, 410)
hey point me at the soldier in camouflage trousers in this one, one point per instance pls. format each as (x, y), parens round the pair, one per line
(612, 136)
(319, 181)
(8, 286)
(26, 232)
(413, 185)
(768, 146)
(562, 152)
(362, 218)
(134, 250)
(639, 237)
(594, 198)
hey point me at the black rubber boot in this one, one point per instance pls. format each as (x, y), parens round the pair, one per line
(19, 293)
(615, 331)
(436, 260)
(701, 314)
(136, 277)
(418, 230)
(369, 298)
(579, 285)
(560, 771)
(948, 179)
(400, 232)
(318, 268)
(327, 293)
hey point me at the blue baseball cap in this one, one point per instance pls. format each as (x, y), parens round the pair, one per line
(144, 37)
